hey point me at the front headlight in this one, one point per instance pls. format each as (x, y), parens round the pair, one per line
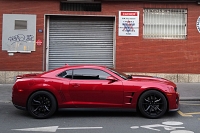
(172, 89)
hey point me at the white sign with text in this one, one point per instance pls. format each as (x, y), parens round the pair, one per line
(128, 23)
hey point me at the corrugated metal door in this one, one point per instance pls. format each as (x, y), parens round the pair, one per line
(80, 40)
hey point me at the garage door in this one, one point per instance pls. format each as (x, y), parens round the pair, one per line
(80, 40)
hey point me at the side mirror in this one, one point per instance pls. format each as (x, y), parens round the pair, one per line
(111, 78)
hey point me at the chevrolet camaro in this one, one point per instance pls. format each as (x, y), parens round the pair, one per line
(92, 86)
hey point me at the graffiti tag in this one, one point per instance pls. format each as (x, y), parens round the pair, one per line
(21, 38)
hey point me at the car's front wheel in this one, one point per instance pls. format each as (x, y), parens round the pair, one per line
(42, 104)
(152, 104)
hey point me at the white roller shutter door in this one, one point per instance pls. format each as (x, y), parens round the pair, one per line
(80, 40)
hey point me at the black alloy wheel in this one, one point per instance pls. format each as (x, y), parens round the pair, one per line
(42, 104)
(152, 104)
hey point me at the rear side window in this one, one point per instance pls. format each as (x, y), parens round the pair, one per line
(66, 74)
(90, 74)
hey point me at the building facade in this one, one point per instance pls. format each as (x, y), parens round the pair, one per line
(158, 38)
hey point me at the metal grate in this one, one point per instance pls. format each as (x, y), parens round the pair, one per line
(165, 24)
(96, 7)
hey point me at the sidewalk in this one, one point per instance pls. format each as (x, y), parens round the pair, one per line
(5, 92)
(187, 91)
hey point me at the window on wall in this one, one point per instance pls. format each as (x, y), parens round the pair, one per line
(165, 24)
(20, 25)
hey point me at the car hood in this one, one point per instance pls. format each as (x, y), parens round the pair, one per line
(151, 79)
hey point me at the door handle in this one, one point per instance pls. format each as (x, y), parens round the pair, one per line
(75, 85)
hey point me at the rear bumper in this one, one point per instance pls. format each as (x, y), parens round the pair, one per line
(19, 107)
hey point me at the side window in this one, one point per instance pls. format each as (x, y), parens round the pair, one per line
(90, 74)
(66, 74)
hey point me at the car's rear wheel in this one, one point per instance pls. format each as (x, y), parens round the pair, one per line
(42, 104)
(152, 104)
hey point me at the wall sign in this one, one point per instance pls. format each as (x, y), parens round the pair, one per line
(19, 32)
(198, 24)
(128, 23)
(39, 42)
(40, 30)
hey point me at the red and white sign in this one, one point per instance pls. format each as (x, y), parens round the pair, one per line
(129, 13)
(128, 23)
(39, 42)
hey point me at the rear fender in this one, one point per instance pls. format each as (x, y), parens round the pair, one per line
(46, 87)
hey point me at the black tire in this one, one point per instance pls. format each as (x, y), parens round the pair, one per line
(152, 104)
(42, 104)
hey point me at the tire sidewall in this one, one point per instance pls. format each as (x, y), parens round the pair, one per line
(53, 104)
(154, 92)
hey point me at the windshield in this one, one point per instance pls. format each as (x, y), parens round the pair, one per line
(122, 75)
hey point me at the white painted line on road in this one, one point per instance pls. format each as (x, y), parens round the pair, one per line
(166, 127)
(172, 123)
(134, 127)
(2, 101)
(171, 126)
(54, 128)
(81, 128)
(181, 131)
(39, 129)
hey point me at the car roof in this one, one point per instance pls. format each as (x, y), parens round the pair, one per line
(77, 66)
(56, 70)
(84, 65)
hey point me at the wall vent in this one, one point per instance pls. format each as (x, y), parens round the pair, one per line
(69, 6)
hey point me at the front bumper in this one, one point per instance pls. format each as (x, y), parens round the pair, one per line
(173, 100)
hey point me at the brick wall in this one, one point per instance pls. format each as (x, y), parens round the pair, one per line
(133, 54)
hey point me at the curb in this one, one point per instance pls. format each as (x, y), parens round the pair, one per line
(190, 99)
(4, 101)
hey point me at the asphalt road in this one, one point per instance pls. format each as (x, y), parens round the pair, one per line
(186, 120)
(13, 120)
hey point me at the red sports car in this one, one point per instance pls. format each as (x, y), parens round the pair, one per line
(91, 86)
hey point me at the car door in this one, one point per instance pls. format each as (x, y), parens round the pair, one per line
(90, 88)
